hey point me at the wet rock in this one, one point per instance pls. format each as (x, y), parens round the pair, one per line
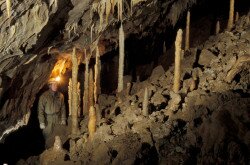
(158, 99)
(230, 64)
(104, 133)
(160, 130)
(106, 100)
(133, 100)
(197, 73)
(156, 74)
(138, 86)
(206, 57)
(166, 93)
(163, 81)
(147, 155)
(121, 126)
(159, 116)
(142, 128)
(126, 147)
(102, 153)
(180, 149)
(189, 85)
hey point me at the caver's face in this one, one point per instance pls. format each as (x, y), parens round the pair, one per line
(54, 87)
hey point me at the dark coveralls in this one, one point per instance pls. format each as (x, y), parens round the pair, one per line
(51, 112)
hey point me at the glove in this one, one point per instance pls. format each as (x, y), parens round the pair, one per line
(42, 125)
(63, 122)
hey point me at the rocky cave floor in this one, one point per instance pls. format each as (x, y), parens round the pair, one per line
(208, 122)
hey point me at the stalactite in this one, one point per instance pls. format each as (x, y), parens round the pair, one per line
(101, 11)
(145, 103)
(131, 8)
(8, 7)
(56, 3)
(91, 34)
(97, 86)
(108, 10)
(92, 122)
(113, 6)
(177, 68)
(231, 16)
(86, 86)
(75, 103)
(217, 30)
(70, 96)
(121, 59)
(187, 38)
(91, 88)
(236, 16)
(120, 9)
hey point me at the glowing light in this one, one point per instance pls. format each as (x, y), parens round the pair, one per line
(58, 78)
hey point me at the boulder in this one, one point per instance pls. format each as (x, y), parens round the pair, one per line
(158, 98)
(206, 57)
(156, 74)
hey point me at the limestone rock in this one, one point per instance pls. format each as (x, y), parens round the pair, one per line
(206, 57)
(157, 99)
(156, 74)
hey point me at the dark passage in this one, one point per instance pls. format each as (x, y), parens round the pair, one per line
(23, 143)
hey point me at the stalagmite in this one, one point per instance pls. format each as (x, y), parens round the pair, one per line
(121, 59)
(217, 30)
(177, 68)
(97, 86)
(231, 16)
(92, 122)
(236, 16)
(129, 85)
(70, 96)
(91, 88)
(187, 38)
(164, 48)
(8, 7)
(86, 86)
(145, 103)
(75, 103)
(78, 100)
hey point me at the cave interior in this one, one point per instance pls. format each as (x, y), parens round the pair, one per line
(142, 106)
